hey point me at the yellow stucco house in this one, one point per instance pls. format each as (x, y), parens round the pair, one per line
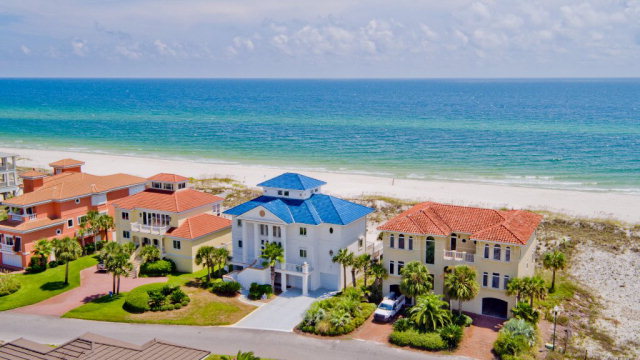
(498, 244)
(173, 217)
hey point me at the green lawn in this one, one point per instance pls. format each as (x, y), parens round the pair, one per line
(41, 286)
(205, 308)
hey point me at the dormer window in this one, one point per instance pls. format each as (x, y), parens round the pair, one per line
(182, 186)
(280, 192)
(156, 185)
(168, 186)
(286, 193)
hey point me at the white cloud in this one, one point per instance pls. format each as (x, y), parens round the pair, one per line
(25, 50)
(79, 47)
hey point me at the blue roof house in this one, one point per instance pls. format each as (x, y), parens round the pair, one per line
(309, 225)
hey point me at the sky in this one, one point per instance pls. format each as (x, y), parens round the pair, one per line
(320, 38)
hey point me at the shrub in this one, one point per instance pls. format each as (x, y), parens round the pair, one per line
(451, 335)
(462, 320)
(524, 311)
(178, 296)
(185, 302)
(168, 290)
(157, 299)
(156, 268)
(136, 302)
(520, 327)
(177, 306)
(424, 341)
(509, 344)
(99, 245)
(89, 248)
(402, 324)
(53, 263)
(256, 291)
(336, 316)
(35, 266)
(225, 288)
(9, 284)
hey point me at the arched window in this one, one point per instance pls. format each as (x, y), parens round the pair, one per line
(496, 252)
(430, 250)
(392, 241)
(410, 242)
(454, 240)
(401, 241)
(507, 253)
(486, 251)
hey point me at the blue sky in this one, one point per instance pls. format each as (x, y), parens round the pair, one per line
(321, 38)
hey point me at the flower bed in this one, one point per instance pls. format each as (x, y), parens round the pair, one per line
(338, 315)
(165, 299)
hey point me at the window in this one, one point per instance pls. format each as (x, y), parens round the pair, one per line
(430, 252)
(156, 185)
(77, 201)
(182, 185)
(239, 243)
(507, 253)
(400, 267)
(155, 242)
(360, 243)
(392, 241)
(8, 240)
(168, 186)
(506, 282)
(82, 219)
(486, 251)
(146, 241)
(277, 231)
(216, 209)
(125, 234)
(410, 242)
(454, 239)
(58, 231)
(330, 230)
(401, 241)
(70, 223)
(391, 267)
(303, 253)
(286, 193)
(125, 215)
(176, 244)
(485, 279)
(279, 192)
(239, 222)
(264, 230)
(496, 252)
(495, 281)
(303, 231)
(17, 245)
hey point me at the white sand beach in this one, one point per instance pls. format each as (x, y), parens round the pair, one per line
(585, 204)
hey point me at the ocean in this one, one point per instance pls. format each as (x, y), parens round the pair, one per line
(565, 134)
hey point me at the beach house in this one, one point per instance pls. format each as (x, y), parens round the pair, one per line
(498, 244)
(310, 226)
(173, 217)
(53, 206)
(9, 185)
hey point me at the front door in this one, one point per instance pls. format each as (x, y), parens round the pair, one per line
(453, 243)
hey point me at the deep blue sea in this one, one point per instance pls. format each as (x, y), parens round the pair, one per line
(576, 134)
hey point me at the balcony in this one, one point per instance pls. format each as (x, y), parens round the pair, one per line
(149, 229)
(461, 256)
(7, 249)
(303, 268)
(21, 217)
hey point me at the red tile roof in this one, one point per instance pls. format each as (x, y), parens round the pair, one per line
(66, 163)
(431, 218)
(32, 174)
(165, 177)
(27, 226)
(176, 201)
(199, 225)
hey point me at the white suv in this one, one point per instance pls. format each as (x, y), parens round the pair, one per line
(389, 307)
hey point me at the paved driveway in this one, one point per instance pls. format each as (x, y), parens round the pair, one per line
(92, 286)
(282, 313)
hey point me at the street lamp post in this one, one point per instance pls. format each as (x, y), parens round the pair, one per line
(556, 309)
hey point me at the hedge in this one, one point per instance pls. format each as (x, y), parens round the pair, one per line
(324, 316)
(157, 268)
(9, 284)
(462, 320)
(136, 302)
(256, 291)
(225, 288)
(423, 341)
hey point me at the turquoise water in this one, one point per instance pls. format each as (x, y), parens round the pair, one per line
(575, 134)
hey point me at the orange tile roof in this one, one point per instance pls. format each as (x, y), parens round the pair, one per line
(165, 177)
(25, 226)
(176, 201)
(32, 174)
(71, 185)
(431, 218)
(199, 225)
(66, 163)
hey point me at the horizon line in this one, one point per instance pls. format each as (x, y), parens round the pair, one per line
(313, 78)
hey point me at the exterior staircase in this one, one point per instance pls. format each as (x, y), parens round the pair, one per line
(136, 260)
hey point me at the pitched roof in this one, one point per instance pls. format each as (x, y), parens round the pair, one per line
(431, 218)
(165, 177)
(71, 185)
(26, 226)
(317, 209)
(199, 225)
(66, 163)
(292, 181)
(96, 347)
(32, 174)
(170, 201)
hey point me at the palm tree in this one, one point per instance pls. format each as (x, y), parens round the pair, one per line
(461, 284)
(554, 260)
(220, 258)
(104, 225)
(43, 249)
(363, 263)
(241, 356)
(116, 261)
(149, 253)
(379, 273)
(95, 223)
(415, 280)
(526, 312)
(342, 258)
(120, 265)
(67, 249)
(516, 286)
(430, 312)
(206, 256)
(534, 288)
(272, 254)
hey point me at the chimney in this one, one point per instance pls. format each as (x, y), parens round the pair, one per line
(32, 180)
(66, 165)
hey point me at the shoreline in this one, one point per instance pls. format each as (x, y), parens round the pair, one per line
(601, 205)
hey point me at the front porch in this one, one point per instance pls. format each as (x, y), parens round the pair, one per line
(288, 275)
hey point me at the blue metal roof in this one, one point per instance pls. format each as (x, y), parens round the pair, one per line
(292, 181)
(317, 209)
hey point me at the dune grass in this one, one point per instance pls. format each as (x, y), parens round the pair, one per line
(41, 286)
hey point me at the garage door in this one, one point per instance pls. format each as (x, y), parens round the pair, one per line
(12, 260)
(494, 307)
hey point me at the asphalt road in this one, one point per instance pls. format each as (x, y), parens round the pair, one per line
(221, 340)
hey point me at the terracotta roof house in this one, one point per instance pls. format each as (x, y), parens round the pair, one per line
(498, 244)
(95, 347)
(53, 206)
(175, 218)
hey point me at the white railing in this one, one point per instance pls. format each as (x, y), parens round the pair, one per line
(149, 229)
(7, 183)
(374, 249)
(20, 217)
(7, 168)
(5, 248)
(459, 256)
(301, 268)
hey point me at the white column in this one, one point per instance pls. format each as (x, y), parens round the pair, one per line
(256, 238)
(245, 241)
(283, 281)
(283, 234)
(305, 284)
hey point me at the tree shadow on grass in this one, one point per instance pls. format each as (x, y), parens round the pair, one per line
(105, 299)
(53, 286)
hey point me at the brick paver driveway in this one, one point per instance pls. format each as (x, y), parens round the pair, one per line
(92, 286)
